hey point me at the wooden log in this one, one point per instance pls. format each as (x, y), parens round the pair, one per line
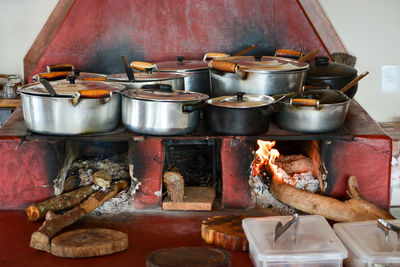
(174, 184)
(225, 232)
(55, 223)
(61, 202)
(355, 209)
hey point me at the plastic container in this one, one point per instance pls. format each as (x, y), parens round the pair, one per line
(310, 242)
(367, 245)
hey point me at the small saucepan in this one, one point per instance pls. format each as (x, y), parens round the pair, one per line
(316, 110)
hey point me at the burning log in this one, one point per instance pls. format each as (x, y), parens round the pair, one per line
(61, 202)
(355, 209)
(55, 223)
(293, 164)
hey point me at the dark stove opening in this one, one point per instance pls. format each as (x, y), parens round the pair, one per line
(197, 161)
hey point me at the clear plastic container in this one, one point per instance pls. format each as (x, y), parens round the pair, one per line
(367, 245)
(311, 242)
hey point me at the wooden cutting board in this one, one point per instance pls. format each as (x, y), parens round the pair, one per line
(85, 243)
(225, 231)
(189, 256)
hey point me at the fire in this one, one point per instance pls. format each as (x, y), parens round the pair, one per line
(266, 155)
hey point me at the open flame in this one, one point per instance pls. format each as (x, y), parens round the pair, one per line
(266, 156)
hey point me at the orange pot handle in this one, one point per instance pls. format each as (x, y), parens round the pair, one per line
(289, 53)
(51, 76)
(60, 67)
(213, 55)
(222, 65)
(304, 102)
(142, 65)
(94, 93)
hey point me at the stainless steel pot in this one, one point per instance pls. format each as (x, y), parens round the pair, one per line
(197, 79)
(81, 108)
(256, 75)
(313, 111)
(157, 110)
(240, 114)
(175, 80)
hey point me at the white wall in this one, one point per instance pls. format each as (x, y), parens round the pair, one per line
(370, 30)
(20, 23)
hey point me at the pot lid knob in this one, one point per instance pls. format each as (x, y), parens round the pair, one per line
(257, 58)
(77, 72)
(71, 79)
(321, 60)
(180, 59)
(239, 96)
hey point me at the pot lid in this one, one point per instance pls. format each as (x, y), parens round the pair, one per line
(64, 88)
(322, 68)
(241, 100)
(266, 63)
(182, 65)
(325, 96)
(163, 93)
(144, 76)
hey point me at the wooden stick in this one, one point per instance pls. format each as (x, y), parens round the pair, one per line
(61, 202)
(55, 223)
(355, 209)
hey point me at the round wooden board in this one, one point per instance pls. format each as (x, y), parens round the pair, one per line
(85, 243)
(189, 256)
(226, 232)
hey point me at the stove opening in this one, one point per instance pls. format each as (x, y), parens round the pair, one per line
(191, 176)
(297, 163)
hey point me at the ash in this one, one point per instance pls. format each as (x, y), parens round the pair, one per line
(264, 198)
(303, 181)
(85, 169)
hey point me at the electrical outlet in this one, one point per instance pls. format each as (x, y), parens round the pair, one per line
(390, 78)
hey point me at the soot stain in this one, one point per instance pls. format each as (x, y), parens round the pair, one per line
(107, 59)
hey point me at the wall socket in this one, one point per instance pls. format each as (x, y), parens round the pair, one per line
(390, 78)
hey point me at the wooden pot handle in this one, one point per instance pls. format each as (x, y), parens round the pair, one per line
(289, 53)
(60, 67)
(142, 65)
(304, 102)
(98, 79)
(213, 55)
(94, 93)
(52, 76)
(222, 65)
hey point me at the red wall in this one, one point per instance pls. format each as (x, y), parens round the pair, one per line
(95, 33)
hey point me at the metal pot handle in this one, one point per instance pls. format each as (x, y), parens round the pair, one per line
(188, 108)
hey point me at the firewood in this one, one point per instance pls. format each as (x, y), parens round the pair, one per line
(61, 202)
(55, 223)
(352, 210)
(295, 164)
(175, 185)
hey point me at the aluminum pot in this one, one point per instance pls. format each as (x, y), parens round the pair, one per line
(256, 75)
(332, 74)
(175, 80)
(196, 72)
(313, 111)
(240, 114)
(71, 109)
(158, 110)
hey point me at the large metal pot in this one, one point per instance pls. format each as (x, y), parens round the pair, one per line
(196, 72)
(157, 110)
(332, 74)
(313, 111)
(256, 75)
(175, 80)
(71, 109)
(240, 114)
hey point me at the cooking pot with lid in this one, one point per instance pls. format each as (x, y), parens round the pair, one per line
(335, 75)
(256, 75)
(159, 110)
(69, 108)
(196, 72)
